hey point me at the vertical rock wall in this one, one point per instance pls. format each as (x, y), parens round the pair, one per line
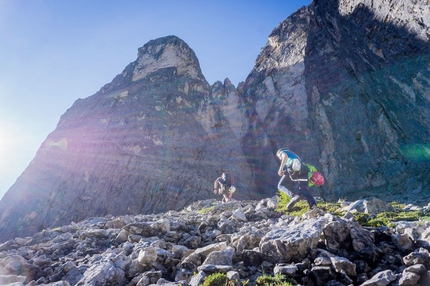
(367, 75)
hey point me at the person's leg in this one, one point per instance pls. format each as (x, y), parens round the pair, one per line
(221, 192)
(308, 196)
(285, 186)
(293, 202)
(303, 186)
(304, 191)
(225, 198)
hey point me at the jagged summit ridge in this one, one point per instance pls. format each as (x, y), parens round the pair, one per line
(159, 60)
(286, 44)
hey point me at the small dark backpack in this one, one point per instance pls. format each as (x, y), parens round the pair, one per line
(228, 180)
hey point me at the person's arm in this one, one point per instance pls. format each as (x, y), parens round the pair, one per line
(216, 185)
(284, 158)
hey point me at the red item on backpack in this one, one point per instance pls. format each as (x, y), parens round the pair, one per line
(317, 179)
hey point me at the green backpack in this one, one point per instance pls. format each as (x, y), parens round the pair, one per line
(312, 170)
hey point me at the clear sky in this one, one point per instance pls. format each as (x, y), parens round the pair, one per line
(53, 52)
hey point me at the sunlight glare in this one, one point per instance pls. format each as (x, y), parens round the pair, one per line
(62, 143)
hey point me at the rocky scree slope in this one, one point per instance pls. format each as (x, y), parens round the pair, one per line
(344, 83)
(243, 239)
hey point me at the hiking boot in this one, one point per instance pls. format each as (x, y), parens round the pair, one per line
(292, 202)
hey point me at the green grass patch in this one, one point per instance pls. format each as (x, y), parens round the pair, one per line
(300, 207)
(388, 218)
(277, 280)
(381, 219)
(215, 279)
(206, 210)
(330, 207)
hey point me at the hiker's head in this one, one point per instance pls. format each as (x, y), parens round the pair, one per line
(278, 153)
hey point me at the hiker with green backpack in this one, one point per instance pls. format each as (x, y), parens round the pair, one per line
(296, 177)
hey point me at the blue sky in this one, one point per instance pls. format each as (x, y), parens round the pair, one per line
(53, 52)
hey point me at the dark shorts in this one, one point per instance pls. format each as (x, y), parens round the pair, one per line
(298, 187)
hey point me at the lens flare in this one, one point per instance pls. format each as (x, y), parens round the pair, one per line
(62, 143)
(416, 152)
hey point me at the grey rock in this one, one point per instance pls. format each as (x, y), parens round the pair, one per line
(147, 256)
(251, 258)
(337, 234)
(381, 279)
(323, 274)
(211, 268)
(342, 264)
(103, 273)
(293, 243)
(361, 238)
(223, 257)
(412, 274)
(286, 269)
(149, 278)
(404, 242)
(72, 276)
(419, 256)
(198, 279)
(9, 279)
(371, 206)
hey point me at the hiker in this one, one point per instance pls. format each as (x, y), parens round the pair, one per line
(224, 186)
(296, 178)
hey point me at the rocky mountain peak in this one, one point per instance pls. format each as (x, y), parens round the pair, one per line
(287, 42)
(166, 52)
(140, 145)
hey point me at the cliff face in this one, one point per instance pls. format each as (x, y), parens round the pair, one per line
(275, 94)
(345, 84)
(367, 74)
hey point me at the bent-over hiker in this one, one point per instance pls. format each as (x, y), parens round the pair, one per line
(224, 186)
(296, 177)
